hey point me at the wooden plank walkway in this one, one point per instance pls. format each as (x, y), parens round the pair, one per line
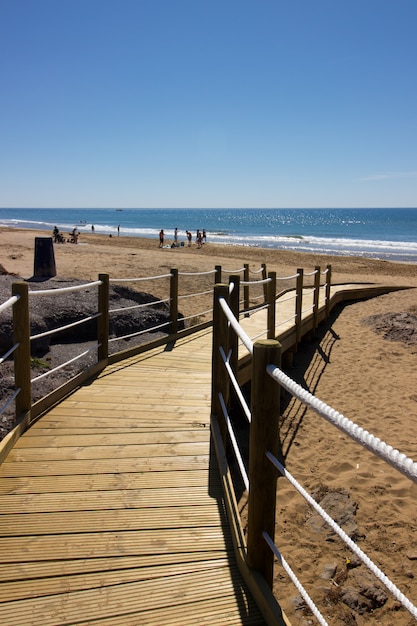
(111, 508)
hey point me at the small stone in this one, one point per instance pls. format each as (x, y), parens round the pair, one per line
(329, 571)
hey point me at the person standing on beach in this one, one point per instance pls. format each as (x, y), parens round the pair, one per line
(161, 238)
(176, 235)
(189, 237)
(118, 230)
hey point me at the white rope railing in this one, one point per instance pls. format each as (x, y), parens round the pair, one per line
(288, 277)
(257, 297)
(8, 303)
(193, 295)
(65, 327)
(386, 452)
(139, 332)
(236, 326)
(234, 443)
(248, 283)
(250, 312)
(313, 273)
(59, 367)
(292, 296)
(189, 317)
(307, 309)
(261, 334)
(290, 319)
(261, 269)
(54, 292)
(9, 401)
(295, 580)
(9, 352)
(197, 273)
(139, 306)
(347, 540)
(235, 383)
(137, 280)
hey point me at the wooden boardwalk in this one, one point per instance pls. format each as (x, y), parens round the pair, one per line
(111, 507)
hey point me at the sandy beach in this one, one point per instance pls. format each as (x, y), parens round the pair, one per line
(360, 366)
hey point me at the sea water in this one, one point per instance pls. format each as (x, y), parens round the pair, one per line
(374, 233)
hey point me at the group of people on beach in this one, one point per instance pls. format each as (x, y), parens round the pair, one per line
(201, 237)
(60, 237)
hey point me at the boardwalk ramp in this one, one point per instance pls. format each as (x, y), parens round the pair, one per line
(112, 509)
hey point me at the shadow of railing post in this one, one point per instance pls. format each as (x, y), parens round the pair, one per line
(264, 436)
(219, 381)
(271, 289)
(21, 337)
(103, 320)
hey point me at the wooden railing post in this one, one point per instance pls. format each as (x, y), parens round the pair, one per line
(21, 337)
(317, 280)
(246, 288)
(218, 274)
(270, 299)
(219, 379)
(234, 298)
(299, 303)
(328, 287)
(174, 301)
(264, 277)
(264, 437)
(103, 320)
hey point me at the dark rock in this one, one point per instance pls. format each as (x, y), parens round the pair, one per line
(364, 593)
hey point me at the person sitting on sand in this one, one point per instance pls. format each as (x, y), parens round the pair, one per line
(74, 235)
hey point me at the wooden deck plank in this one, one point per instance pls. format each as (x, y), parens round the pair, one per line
(100, 482)
(42, 467)
(159, 541)
(108, 452)
(113, 439)
(96, 500)
(17, 525)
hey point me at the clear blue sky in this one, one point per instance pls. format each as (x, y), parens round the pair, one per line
(208, 103)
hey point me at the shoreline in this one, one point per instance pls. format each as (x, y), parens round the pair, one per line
(17, 256)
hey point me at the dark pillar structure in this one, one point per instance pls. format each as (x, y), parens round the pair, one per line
(44, 266)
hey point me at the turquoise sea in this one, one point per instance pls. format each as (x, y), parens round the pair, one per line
(373, 233)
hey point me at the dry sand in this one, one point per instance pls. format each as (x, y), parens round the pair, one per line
(371, 379)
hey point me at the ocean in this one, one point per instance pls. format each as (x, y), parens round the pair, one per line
(389, 234)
